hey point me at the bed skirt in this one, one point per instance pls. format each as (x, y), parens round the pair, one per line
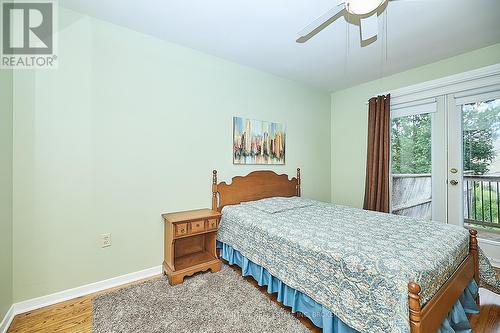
(456, 321)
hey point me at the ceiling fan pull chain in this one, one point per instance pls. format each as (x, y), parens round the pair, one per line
(386, 29)
(347, 34)
(346, 54)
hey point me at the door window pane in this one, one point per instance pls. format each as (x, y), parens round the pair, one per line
(481, 163)
(411, 156)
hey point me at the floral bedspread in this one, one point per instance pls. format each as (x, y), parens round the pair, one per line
(354, 262)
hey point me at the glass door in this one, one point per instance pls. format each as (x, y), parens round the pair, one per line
(474, 160)
(445, 159)
(417, 149)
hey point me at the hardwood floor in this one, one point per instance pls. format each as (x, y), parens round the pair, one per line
(73, 316)
(488, 320)
(76, 315)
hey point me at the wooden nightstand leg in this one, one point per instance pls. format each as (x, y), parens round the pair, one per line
(215, 267)
(176, 279)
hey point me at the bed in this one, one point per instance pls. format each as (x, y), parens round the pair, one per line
(372, 272)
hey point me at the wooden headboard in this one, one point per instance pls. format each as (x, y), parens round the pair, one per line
(254, 186)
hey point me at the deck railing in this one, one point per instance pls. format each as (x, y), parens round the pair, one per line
(412, 196)
(482, 200)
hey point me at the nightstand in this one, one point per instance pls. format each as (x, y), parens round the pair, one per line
(190, 238)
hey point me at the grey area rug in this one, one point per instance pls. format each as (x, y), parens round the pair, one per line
(209, 302)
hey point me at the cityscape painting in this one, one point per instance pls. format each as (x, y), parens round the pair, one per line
(258, 142)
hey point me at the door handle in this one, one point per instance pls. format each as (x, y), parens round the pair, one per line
(453, 182)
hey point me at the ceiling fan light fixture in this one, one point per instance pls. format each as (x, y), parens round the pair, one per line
(363, 7)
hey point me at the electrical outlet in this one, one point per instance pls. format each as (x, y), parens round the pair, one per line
(105, 240)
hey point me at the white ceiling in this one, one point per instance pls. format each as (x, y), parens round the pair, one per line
(262, 33)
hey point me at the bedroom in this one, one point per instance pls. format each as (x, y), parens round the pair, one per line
(139, 110)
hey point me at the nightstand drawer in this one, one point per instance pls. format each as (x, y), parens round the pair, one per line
(197, 226)
(181, 229)
(212, 224)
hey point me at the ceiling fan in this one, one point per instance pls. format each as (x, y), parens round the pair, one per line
(364, 10)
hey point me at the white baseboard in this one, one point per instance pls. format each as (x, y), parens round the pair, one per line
(488, 241)
(495, 262)
(4, 325)
(491, 249)
(65, 295)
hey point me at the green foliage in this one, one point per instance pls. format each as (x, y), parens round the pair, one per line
(481, 122)
(411, 139)
(478, 150)
(411, 144)
(480, 204)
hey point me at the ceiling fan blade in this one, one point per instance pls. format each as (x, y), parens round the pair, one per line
(369, 27)
(321, 23)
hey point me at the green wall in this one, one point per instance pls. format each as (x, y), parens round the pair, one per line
(350, 117)
(5, 191)
(129, 127)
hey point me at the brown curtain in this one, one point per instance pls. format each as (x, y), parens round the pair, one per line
(377, 163)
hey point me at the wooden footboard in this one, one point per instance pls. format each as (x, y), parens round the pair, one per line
(429, 318)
